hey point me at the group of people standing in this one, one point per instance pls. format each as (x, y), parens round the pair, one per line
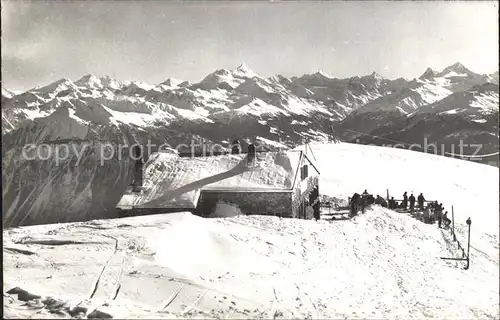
(408, 200)
(432, 212)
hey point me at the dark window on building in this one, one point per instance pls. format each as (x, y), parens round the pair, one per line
(304, 172)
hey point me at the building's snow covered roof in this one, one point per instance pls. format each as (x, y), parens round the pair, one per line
(171, 181)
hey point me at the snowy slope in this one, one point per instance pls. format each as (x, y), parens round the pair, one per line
(7, 93)
(379, 265)
(471, 187)
(431, 87)
(392, 107)
(407, 100)
(479, 100)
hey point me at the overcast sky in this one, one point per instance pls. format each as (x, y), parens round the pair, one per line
(150, 41)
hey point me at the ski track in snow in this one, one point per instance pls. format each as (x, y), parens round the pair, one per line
(382, 264)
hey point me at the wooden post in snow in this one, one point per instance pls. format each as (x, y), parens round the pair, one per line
(387, 195)
(453, 223)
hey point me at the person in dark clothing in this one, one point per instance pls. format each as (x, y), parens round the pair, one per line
(370, 199)
(380, 201)
(392, 203)
(434, 207)
(364, 201)
(364, 195)
(439, 214)
(404, 204)
(383, 203)
(421, 200)
(427, 215)
(446, 220)
(316, 210)
(412, 202)
(355, 199)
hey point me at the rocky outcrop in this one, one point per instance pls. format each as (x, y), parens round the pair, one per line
(54, 183)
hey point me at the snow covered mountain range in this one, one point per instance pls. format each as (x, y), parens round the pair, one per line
(275, 111)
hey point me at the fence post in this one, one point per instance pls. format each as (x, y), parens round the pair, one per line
(468, 244)
(387, 195)
(453, 223)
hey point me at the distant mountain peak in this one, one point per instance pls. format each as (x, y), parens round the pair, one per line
(458, 68)
(54, 85)
(243, 67)
(87, 79)
(457, 65)
(171, 82)
(62, 80)
(100, 82)
(376, 76)
(320, 72)
(244, 70)
(428, 74)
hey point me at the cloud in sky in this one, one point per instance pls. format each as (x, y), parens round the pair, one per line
(152, 40)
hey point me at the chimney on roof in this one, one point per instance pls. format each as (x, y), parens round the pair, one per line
(235, 147)
(137, 157)
(251, 154)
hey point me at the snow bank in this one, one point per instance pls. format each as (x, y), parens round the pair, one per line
(379, 265)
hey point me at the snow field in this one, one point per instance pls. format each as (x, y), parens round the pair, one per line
(381, 264)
